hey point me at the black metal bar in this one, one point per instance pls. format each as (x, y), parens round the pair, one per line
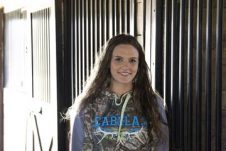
(125, 16)
(96, 29)
(208, 75)
(92, 30)
(172, 74)
(100, 24)
(114, 17)
(167, 67)
(107, 33)
(83, 50)
(79, 23)
(159, 47)
(219, 25)
(76, 52)
(73, 46)
(198, 75)
(181, 73)
(190, 78)
(128, 18)
(89, 35)
(110, 21)
(86, 39)
(117, 16)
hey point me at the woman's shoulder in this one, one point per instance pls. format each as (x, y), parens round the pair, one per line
(162, 108)
(159, 99)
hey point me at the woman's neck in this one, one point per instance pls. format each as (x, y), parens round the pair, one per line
(120, 89)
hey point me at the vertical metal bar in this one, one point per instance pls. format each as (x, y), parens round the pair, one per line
(111, 17)
(76, 41)
(48, 54)
(83, 43)
(100, 24)
(126, 16)
(208, 75)
(218, 90)
(181, 73)
(38, 56)
(115, 16)
(79, 51)
(119, 6)
(33, 54)
(72, 46)
(190, 77)
(89, 35)
(87, 43)
(107, 18)
(93, 32)
(198, 75)
(43, 55)
(172, 75)
(104, 17)
(167, 61)
(132, 15)
(95, 28)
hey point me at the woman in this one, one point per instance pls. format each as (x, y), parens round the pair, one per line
(119, 109)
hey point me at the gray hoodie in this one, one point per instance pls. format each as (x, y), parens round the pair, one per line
(110, 123)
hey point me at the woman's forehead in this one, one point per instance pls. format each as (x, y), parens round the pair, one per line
(125, 49)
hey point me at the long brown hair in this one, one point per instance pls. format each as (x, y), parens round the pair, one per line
(143, 95)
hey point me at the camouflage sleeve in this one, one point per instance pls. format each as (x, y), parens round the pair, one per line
(87, 141)
(80, 139)
(164, 145)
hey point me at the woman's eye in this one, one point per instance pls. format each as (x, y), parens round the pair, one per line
(118, 59)
(133, 61)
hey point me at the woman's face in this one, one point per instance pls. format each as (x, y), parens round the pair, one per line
(124, 64)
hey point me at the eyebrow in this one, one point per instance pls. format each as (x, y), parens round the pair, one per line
(130, 57)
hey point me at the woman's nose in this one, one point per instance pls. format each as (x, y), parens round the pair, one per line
(125, 64)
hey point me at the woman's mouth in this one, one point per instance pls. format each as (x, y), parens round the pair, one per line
(124, 73)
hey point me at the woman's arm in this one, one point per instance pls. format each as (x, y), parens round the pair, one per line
(164, 145)
(77, 134)
(81, 134)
